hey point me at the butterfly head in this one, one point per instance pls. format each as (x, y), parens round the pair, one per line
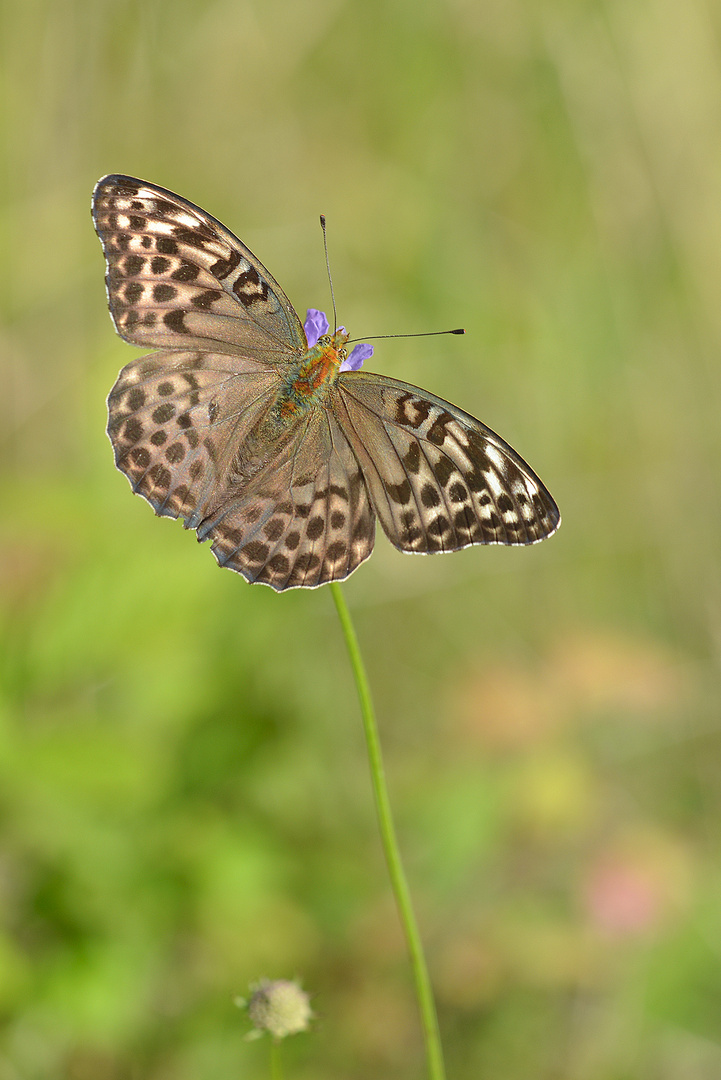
(316, 330)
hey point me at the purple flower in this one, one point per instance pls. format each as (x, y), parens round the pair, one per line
(359, 353)
(316, 324)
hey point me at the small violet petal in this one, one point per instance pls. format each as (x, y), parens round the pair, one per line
(315, 326)
(359, 353)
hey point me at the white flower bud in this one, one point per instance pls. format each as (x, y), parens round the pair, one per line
(280, 1007)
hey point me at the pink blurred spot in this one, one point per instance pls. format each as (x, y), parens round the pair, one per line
(622, 899)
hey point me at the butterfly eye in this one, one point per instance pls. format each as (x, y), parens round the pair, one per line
(324, 340)
(343, 353)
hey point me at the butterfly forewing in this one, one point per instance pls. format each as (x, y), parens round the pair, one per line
(439, 479)
(177, 278)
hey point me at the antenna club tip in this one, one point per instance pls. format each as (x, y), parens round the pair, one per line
(322, 221)
(459, 331)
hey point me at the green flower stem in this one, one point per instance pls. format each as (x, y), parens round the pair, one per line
(276, 1069)
(434, 1053)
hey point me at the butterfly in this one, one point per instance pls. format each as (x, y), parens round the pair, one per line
(265, 440)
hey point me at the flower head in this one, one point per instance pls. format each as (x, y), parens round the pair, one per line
(316, 324)
(280, 1007)
(358, 354)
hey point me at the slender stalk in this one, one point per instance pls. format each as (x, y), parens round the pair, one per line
(429, 1019)
(276, 1069)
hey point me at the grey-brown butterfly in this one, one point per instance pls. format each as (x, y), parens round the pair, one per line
(264, 439)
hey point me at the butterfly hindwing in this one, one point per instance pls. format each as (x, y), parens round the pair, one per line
(305, 519)
(439, 479)
(177, 278)
(175, 418)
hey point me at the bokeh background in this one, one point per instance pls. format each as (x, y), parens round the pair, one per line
(184, 799)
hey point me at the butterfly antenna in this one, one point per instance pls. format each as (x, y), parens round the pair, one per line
(429, 333)
(327, 266)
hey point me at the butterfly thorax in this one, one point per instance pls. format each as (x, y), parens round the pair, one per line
(308, 381)
(304, 387)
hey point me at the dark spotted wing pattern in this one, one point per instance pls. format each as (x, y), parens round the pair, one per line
(303, 520)
(174, 419)
(177, 278)
(439, 479)
(206, 428)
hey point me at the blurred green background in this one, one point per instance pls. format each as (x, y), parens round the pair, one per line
(184, 799)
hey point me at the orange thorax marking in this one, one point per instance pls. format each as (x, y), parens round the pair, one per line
(317, 370)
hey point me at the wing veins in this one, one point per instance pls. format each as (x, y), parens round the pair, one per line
(371, 461)
(293, 461)
(442, 489)
(345, 471)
